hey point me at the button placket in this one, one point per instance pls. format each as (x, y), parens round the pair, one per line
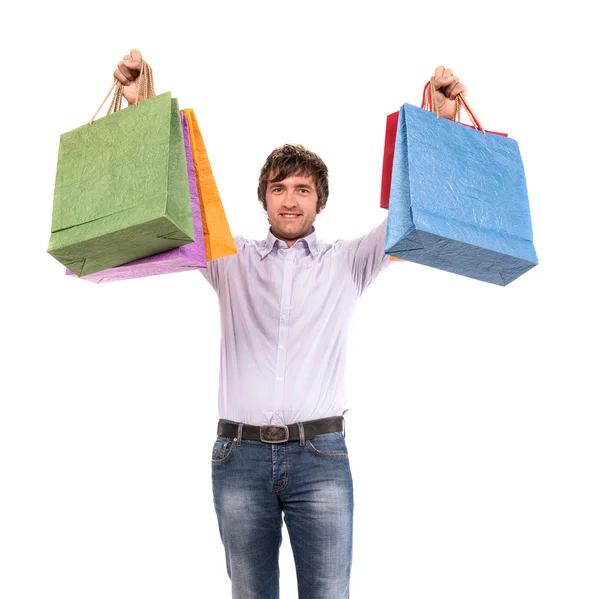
(284, 323)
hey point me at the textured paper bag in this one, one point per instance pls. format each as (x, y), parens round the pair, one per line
(121, 190)
(458, 200)
(189, 256)
(217, 235)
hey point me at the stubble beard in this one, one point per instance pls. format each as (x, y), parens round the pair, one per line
(282, 234)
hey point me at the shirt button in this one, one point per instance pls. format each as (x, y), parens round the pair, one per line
(283, 317)
(278, 378)
(281, 347)
(276, 411)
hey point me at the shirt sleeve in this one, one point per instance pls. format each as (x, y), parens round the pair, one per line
(365, 256)
(215, 270)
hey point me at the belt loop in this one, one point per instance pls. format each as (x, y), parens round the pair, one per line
(239, 435)
(343, 427)
(301, 433)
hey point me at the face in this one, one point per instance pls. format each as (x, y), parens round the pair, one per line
(292, 207)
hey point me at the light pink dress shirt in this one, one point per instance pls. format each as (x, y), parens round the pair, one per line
(285, 317)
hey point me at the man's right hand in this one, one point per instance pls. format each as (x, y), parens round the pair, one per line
(128, 72)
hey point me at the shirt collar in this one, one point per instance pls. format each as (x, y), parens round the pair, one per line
(310, 241)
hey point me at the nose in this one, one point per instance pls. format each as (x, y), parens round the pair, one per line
(289, 200)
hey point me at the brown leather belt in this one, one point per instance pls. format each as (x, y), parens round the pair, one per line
(280, 433)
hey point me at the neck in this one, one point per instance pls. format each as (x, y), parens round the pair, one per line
(291, 242)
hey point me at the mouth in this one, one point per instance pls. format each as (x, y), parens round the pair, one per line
(289, 216)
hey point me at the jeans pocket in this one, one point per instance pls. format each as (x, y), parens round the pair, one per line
(222, 449)
(328, 445)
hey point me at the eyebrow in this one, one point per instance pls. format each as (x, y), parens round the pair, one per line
(298, 186)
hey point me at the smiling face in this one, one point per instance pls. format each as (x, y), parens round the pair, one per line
(292, 207)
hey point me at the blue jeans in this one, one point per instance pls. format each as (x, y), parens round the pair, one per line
(310, 483)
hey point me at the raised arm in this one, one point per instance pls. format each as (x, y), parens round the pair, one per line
(365, 256)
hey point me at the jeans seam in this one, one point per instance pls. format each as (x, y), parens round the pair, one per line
(326, 455)
(285, 461)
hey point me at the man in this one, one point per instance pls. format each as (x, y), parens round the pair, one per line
(286, 304)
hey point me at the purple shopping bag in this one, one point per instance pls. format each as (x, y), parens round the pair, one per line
(189, 256)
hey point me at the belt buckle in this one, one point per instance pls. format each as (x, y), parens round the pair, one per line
(270, 433)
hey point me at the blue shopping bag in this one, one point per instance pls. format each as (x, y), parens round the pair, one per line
(458, 200)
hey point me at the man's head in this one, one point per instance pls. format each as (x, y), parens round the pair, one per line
(293, 188)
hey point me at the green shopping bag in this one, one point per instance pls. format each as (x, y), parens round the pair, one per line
(122, 189)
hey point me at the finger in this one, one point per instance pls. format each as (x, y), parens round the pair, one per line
(133, 65)
(448, 89)
(439, 71)
(448, 73)
(441, 83)
(126, 72)
(118, 75)
(459, 88)
(133, 60)
(136, 55)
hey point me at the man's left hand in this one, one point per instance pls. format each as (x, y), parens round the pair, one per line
(447, 87)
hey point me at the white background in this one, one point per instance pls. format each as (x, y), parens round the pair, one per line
(473, 432)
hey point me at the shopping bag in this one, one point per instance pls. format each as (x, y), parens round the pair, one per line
(458, 199)
(189, 256)
(391, 129)
(121, 189)
(217, 236)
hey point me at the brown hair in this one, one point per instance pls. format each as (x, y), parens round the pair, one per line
(289, 160)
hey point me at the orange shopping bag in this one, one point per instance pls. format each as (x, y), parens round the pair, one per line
(217, 235)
